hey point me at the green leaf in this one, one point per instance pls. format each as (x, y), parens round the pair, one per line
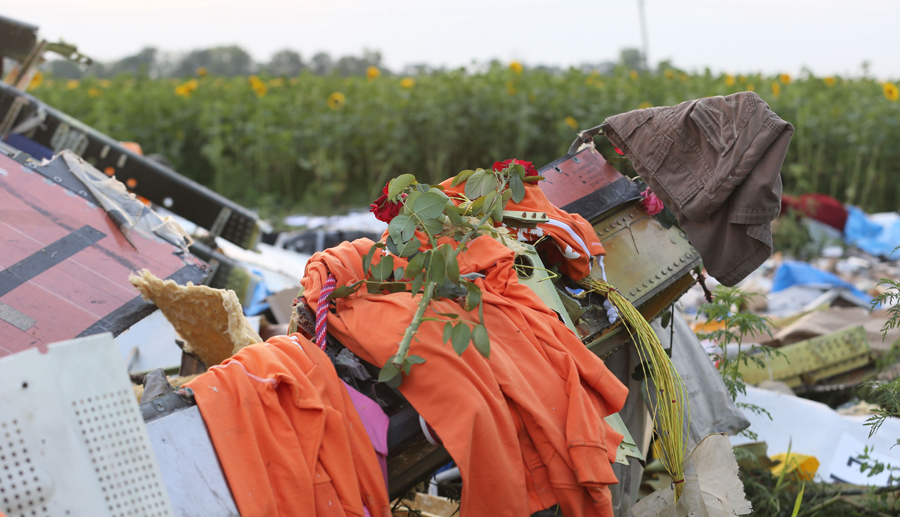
(518, 170)
(455, 218)
(382, 271)
(407, 249)
(388, 372)
(437, 270)
(429, 206)
(533, 179)
(461, 177)
(451, 265)
(367, 260)
(517, 187)
(414, 359)
(433, 226)
(460, 337)
(498, 210)
(374, 287)
(345, 290)
(480, 183)
(417, 264)
(398, 273)
(448, 331)
(398, 184)
(402, 228)
(394, 287)
(474, 296)
(489, 200)
(507, 195)
(481, 340)
(448, 315)
(417, 283)
(476, 206)
(423, 188)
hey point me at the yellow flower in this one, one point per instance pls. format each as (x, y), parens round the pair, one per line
(407, 83)
(634, 74)
(336, 100)
(829, 81)
(202, 71)
(36, 81)
(276, 83)
(185, 90)
(516, 67)
(785, 78)
(71, 84)
(644, 105)
(571, 122)
(669, 73)
(104, 83)
(94, 92)
(511, 87)
(729, 80)
(751, 87)
(372, 72)
(259, 87)
(776, 89)
(891, 91)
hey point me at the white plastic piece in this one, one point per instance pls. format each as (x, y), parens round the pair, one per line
(72, 439)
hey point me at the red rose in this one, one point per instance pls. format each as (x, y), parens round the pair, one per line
(618, 151)
(383, 209)
(651, 203)
(529, 167)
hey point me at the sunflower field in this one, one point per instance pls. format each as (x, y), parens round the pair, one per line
(320, 144)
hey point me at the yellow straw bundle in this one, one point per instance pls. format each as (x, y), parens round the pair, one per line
(669, 404)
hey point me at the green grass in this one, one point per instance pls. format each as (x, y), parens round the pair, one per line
(287, 148)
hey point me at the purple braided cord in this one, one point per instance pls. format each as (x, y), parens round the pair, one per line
(322, 311)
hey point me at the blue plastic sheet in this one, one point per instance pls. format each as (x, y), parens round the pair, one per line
(792, 273)
(875, 237)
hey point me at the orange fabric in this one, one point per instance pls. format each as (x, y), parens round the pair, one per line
(574, 239)
(287, 434)
(525, 426)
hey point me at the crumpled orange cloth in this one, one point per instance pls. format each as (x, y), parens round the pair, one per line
(287, 434)
(574, 239)
(525, 426)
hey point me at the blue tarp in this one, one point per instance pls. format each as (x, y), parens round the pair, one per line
(792, 273)
(878, 235)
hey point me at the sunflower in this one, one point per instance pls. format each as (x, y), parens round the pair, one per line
(829, 81)
(202, 71)
(185, 90)
(372, 72)
(669, 73)
(729, 80)
(336, 100)
(36, 81)
(516, 67)
(633, 74)
(571, 122)
(407, 83)
(785, 78)
(776, 89)
(259, 87)
(891, 91)
(644, 105)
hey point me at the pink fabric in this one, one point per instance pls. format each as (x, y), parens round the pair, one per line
(376, 423)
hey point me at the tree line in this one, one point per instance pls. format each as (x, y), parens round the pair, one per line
(232, 60)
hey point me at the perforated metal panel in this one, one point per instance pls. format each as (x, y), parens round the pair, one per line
(72, 439)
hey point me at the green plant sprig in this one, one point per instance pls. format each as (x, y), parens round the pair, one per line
(434, 273)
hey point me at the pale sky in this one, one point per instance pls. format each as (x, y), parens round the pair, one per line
(738, 36)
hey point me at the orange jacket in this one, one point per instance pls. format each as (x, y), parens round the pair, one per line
(287, 434)
(525, 426)
(574, 239)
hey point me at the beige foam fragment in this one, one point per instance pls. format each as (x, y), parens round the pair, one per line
(211, 321)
